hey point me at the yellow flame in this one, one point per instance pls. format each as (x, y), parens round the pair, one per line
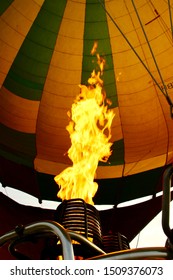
(90, 132)
(94, 48)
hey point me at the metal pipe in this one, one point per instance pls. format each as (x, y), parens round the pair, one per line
(82, 239)
(138, 254)
(166, 202)
(43, 227)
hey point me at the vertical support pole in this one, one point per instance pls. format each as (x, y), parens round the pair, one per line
(166, 202)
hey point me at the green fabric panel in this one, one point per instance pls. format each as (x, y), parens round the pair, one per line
(117, 156)
(96, 29)
(4, 4)
(30, 88)
(28, 73)
(17, 146)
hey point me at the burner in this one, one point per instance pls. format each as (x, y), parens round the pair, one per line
(83, 218)
(115, 242)
(77, 216)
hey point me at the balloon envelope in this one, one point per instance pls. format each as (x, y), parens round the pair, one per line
(45, 54)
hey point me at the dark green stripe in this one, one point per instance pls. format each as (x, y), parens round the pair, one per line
(4, 4)
(117, 157)
(17, 146)
(27, 75)
(96, 29)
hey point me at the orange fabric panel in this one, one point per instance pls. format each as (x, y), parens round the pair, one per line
(60, 90)
(18, 113)
(105, 172)
(49, 167)
(143, 165)
(14, 25)
(116, 129)
(55, 168)
(145, 114)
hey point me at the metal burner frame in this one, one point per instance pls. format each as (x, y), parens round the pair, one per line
(66, 236)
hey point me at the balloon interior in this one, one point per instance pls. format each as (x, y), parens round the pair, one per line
(115, 145)
(90, 132)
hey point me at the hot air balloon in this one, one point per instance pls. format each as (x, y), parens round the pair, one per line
(45, 54)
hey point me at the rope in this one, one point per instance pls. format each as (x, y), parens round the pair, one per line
(155, 62)
(170, 16)
(151, 75)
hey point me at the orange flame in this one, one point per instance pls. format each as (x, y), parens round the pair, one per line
(90, 132)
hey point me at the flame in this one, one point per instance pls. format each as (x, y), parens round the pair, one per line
(94, 48)
(90, 132)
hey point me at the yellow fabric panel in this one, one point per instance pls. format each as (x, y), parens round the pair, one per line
(15, 23)
(18, 113)
(57, 149)
(145, 114)
(69, 75)
(143, 126)
(55, 168)
(55, 101)
(56, 138)
(116, 129)
(143, 165)
(66, 90)
(60, 90)
(48, 167)
(105, 172)
(28, 8)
